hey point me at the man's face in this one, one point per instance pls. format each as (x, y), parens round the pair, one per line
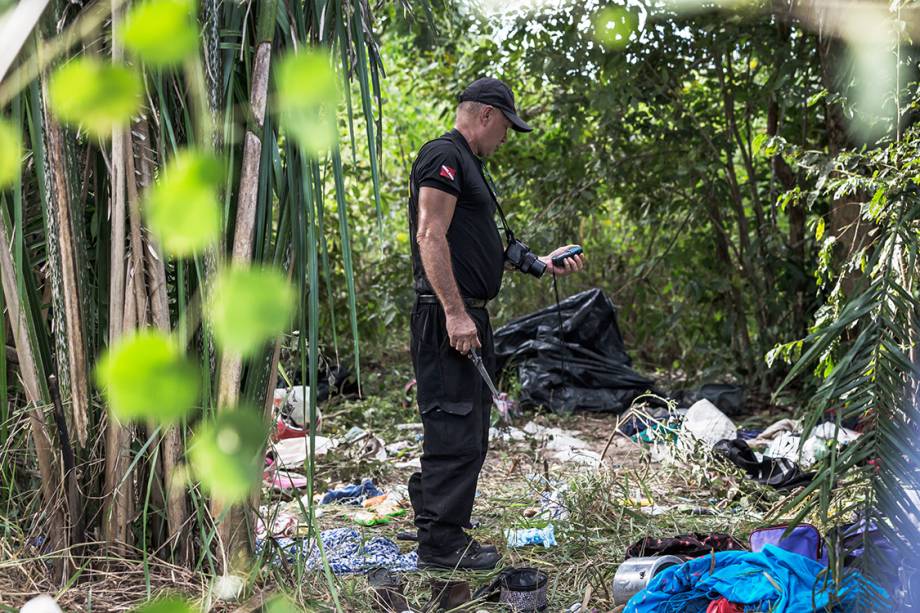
(494, 130)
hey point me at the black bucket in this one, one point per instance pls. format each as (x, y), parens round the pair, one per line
(524, 589)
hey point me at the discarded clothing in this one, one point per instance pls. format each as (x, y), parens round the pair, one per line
(749, 434)
(346, 552)
(283, 480)
(779, 473)
(684, 545)
(792, 426)
(804, 540)
(771, 580)
(821, 439)
(355, 493)
(816, 446)
(582, 367)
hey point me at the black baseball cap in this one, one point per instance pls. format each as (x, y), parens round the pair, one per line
(495, 93)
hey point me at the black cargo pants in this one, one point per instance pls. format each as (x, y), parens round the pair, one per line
(455, 406)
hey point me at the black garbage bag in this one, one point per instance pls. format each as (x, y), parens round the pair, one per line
(589, 371)
(728, 398)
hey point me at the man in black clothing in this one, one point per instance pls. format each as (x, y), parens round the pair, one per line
(458, 259)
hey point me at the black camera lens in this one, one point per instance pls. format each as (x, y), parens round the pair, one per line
(522, 258)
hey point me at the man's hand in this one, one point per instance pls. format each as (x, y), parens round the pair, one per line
(569, 265)
(462, 332)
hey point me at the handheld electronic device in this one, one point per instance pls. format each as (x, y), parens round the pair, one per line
(571, 252)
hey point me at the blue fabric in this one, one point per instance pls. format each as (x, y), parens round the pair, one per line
(352, 494)
(770, 580)
(346, 552)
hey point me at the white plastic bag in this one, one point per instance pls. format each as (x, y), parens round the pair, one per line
(707, 424)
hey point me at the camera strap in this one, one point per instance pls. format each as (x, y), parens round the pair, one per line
(490, 185)
(492, 192)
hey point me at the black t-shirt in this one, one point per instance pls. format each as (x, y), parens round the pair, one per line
(476, 250)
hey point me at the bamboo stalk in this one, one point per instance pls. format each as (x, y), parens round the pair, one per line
(59, 198)
(35, 391)
(115, 523)
(118, 452)
(137, 250)
(177, 514)
(233, 529)
(117, 264)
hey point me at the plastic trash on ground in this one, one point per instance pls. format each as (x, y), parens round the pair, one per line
(283, 480)
(41, 604)
(705, 423)
(381, 509)
(290, 403)
(362, 444)
(292, 452)
(521, 537)
(815, 447)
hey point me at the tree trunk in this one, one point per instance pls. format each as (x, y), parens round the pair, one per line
(742, 338)
(845, 214)
(784, 175)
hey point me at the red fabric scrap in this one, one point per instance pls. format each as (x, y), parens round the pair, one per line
(723, 606)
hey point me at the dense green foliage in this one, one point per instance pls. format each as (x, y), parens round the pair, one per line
(652, 156)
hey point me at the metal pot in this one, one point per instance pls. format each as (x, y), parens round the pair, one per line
(634, 574)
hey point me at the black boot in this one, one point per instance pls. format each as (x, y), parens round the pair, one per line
(465, 558)
(474, 545)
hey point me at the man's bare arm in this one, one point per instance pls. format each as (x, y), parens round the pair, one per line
(435, 212)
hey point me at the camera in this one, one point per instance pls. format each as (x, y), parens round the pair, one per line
(522, 258)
